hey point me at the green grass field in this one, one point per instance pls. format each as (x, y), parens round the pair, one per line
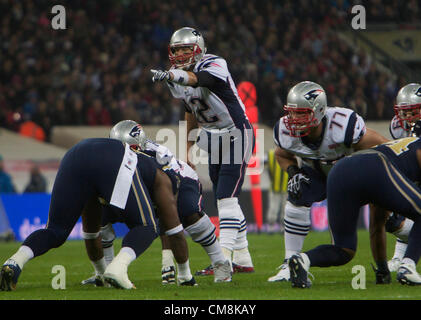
(329, 284)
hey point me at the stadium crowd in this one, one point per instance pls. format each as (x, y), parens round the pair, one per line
(96, 72)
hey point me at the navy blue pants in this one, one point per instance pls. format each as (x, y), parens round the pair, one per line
(367, 178)
(227, 167)
(189, 200)
(88, 172)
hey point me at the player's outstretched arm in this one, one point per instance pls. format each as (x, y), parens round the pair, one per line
(168, 216)
(370, 139)
(185, 78)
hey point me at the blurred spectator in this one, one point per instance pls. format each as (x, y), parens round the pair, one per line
(6, 184)
(96, 72)
(97, 115)
(37, 182)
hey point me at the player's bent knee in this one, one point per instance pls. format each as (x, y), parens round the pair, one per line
(190, 219)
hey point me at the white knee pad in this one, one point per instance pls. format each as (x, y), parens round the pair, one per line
(297, 219)
(107, 235)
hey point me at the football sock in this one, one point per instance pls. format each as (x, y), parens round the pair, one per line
(22, 256)
(413, 251)
(108, 254)
(99, 266)
(203, 232)
(297, 226)
(167, 258)
(229, 222)
(400, 248)
(184, 272)
(227, 254)
(404, 231)
(107, 239)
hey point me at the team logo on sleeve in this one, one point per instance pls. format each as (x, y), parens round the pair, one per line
(135, 131)
(312, 95)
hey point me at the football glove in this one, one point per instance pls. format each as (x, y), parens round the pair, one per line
(160, 75)
(295, 184)
(382, 276)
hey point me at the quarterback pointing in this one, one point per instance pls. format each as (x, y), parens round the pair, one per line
(204, 83)
(310, 138)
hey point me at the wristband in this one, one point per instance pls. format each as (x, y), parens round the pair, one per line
(90, 236)
(174, 230)
(180, 76)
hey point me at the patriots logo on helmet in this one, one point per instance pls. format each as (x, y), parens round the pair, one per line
(135, 131)
(313, 94)
(418, 92)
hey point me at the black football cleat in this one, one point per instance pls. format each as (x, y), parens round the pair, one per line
(9, 276)
(298, 273)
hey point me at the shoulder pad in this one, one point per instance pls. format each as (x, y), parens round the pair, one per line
(345, 126)
(215, 65)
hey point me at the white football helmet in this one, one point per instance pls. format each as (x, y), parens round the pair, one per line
(306, 107)
(186, 37)
(408, 105)
(130, 132)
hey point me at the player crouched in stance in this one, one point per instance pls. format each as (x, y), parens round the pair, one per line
(385, 176)
(310, 138)
(189, 205)
(98, 172)
(406, 123)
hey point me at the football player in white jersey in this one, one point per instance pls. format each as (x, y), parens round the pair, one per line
(189, 206)
(406, 123)
(212, 103)
(310, 138)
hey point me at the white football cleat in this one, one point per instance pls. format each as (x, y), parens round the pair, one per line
(222, 271)
(283, 273)
(394, 264)
(407, 274)
(116, 275)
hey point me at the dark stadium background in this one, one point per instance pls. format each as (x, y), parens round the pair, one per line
(54, 84)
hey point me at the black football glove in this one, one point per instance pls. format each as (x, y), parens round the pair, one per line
(382, 276)
(295, 181)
